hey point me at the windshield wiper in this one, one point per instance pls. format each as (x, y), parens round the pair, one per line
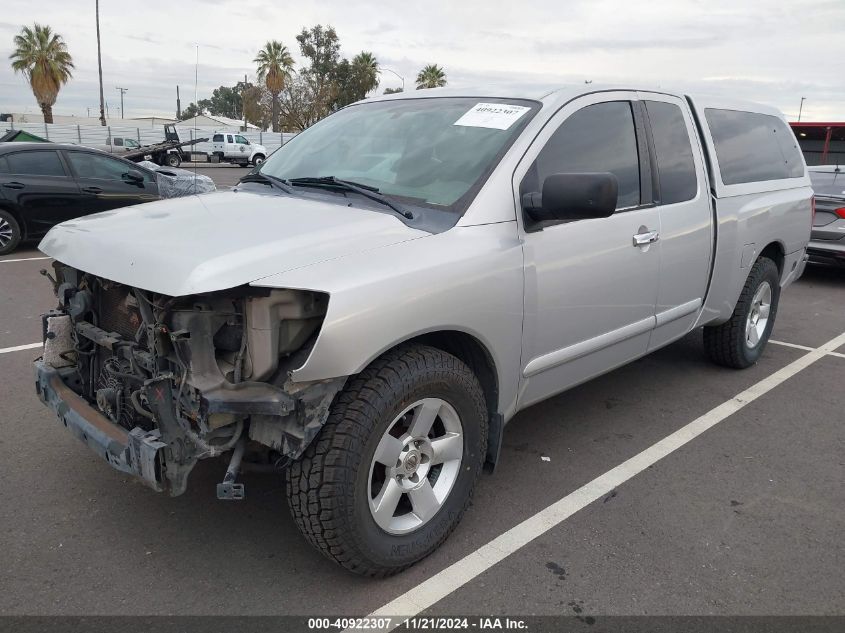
(365, 190)
(264, 179)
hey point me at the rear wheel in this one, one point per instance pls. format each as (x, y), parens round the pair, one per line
(392, 471)
(740, 341)
(173, 160)
(10, 233)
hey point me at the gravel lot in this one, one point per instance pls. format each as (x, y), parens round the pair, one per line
(747, 518)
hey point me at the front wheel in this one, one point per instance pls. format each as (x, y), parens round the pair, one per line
(392, 471)
(257, 159)
(173, 160)
(739, 342)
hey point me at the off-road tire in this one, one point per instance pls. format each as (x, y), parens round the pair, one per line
(8, 220)
(328, 487)
(725, 344)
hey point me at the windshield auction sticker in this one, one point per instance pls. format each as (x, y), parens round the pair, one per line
(499, 116)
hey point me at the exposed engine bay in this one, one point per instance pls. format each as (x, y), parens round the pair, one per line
(185, 378)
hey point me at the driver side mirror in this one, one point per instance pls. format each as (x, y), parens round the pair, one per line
(573, 197)
(134, 176)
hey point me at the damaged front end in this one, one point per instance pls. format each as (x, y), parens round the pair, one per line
(154, 383)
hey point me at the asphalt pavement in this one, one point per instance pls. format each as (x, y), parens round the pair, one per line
(224, 175)
(745, 518)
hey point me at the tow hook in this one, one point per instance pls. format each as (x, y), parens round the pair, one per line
(228, 490)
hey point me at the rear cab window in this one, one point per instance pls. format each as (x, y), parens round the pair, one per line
(753, 147)
(217, 138)
(675, 164)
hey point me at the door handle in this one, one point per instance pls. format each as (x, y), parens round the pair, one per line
(92, 190)
(14, 185)
(644, 239)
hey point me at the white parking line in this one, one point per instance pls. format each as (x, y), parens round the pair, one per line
(22, 259)
(431, 591)
(793, 345)
(19, 348)
(804, 347)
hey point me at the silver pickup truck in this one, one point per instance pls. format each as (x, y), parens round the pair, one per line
(369, 308)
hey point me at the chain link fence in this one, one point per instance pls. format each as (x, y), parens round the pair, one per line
(99, 135)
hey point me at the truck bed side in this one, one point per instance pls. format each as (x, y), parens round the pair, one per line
(771, 217)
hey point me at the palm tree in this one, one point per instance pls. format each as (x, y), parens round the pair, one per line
(274, 68)
(366, 70)
(432, 76)
(42, 57)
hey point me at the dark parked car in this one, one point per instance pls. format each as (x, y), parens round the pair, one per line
(827, 242)
(43, 184)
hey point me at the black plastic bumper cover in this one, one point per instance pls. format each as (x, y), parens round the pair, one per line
(137, 452)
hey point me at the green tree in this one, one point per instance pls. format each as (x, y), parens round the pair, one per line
(196, 109)
(42, 57)
(353, 80)
(392, 91)
(432, 76)
(226, 101)
(325, 71)
(275, 65)
(366, 71)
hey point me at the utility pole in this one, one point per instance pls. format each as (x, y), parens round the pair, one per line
(243, 102)
(122, 92)
(178, 105)
(800, 108)
(100, 67)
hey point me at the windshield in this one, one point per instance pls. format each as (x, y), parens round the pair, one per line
(431, 152)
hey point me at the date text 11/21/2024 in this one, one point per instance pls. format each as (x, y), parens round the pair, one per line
(421, 623)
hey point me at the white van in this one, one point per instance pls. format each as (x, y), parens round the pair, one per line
(231, 147)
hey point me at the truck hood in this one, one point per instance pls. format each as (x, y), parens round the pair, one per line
(216, 241)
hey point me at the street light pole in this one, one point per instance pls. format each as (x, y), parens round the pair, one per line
(397, 74)
(122, 92)
(800, 108)
(100, 67)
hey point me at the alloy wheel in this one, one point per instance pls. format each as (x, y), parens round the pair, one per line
(415, 466)
(6, 233)
(758, 315)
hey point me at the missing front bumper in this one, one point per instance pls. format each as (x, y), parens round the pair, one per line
(136, 452)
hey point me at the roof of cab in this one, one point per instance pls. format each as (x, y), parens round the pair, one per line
(543, 93)
(556, 95)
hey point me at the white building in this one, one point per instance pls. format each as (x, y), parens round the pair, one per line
(217, 122)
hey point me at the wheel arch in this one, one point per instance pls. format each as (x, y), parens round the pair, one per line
(475, 354)
(776, 252)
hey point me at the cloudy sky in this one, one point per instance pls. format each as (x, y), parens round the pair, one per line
(765, 50)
